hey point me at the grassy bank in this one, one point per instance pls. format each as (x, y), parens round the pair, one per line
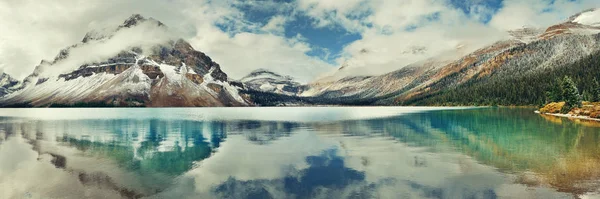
(588, 109)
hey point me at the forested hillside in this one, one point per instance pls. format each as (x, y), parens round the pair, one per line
(517, 85)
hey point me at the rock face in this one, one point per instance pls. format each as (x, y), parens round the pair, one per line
(267, 81)
(7, 84)
(164, 72)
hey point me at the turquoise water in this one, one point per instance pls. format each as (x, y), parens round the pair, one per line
(296, 153)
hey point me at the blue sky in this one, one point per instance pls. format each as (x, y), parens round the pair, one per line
(306, 39)
(328, 42)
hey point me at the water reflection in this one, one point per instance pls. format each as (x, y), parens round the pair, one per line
(478, 153)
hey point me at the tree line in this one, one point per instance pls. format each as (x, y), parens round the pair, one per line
(517, 87)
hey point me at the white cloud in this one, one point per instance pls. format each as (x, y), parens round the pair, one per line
(328, 13)
(275, 25)
(243, 52)
(541, 14)
(145, 35)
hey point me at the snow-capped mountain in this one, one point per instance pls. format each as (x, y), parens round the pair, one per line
(360, 87)
(7, 84)
(139, 63)
(267, 81)
(584, 23)
(528, 51)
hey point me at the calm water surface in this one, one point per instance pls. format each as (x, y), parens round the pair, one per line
(296, 153)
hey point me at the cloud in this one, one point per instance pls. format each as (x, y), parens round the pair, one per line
(145, 35)
(541, 14)
(243, 52)
(327, 13)
(275, 25)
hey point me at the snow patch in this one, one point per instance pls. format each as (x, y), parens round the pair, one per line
(267, 87)
(591, 18)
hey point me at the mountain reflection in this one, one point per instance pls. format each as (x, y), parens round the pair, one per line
(477, 153)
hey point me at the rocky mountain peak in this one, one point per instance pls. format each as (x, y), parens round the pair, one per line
(154, 69)
(7, 84)
(132, 21)
(136, 19)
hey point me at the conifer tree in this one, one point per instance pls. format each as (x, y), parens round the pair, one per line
(570, 94)
(587, 96)
(554, 94)
(595, 91)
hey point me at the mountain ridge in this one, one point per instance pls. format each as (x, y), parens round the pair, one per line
(168, 71)
(121, 68)
(267, 81)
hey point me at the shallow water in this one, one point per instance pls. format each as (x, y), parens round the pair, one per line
(350, 152)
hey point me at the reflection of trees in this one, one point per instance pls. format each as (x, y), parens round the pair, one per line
(167, 147)
(509, 139)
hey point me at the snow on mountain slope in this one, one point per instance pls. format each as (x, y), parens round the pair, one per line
(590, 18)
(139, 63)
(528, 51)
(268, 81)
(382, 85)
(526, 34)
(584, 23)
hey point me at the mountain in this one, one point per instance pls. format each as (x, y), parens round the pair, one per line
(267, 81)
(501, 73)
(139, 63)
(587, 22)
(7, 84)
(397, 82)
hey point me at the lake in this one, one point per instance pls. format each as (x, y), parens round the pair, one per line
(321, 152)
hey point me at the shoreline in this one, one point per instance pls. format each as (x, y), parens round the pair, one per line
(570, 116)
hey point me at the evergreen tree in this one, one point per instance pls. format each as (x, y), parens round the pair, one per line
(595, 91)
(587, 96)
(570, 94)
(554, 93)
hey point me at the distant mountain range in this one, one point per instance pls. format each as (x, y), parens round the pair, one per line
(169, 72)
(271, 82)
